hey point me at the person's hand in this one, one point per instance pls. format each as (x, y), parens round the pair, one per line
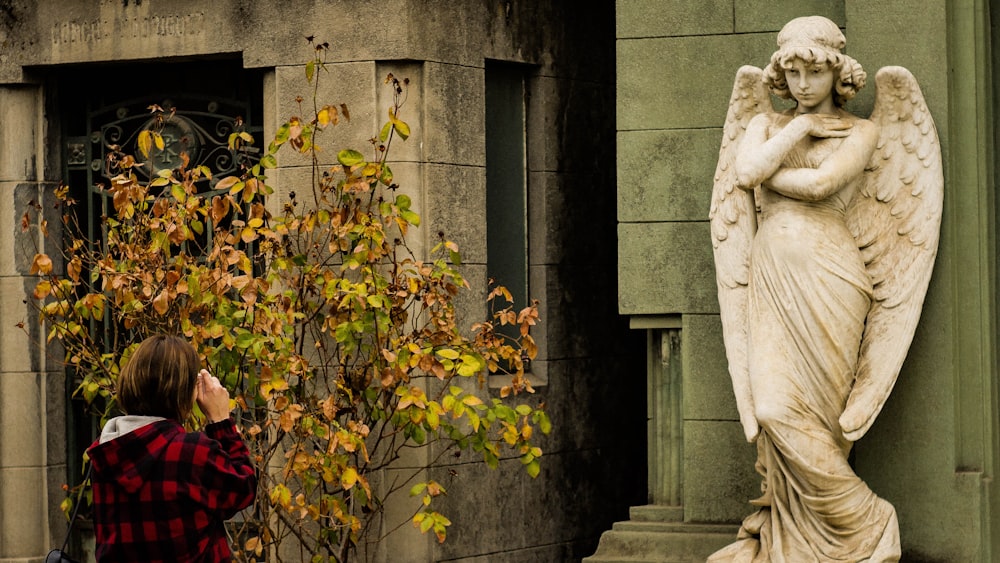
(212, 397)
(824, 125)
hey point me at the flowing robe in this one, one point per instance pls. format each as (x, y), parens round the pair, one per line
(809, 297)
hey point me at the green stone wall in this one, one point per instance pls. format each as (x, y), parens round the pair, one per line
(933, 450)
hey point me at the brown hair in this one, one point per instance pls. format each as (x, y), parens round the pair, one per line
(159, 378)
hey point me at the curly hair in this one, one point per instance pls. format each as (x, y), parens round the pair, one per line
(814, 40)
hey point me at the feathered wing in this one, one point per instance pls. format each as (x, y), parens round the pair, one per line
(734, 222)
(896, 219)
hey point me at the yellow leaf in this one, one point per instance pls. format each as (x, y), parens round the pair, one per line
(349, 477)
(448, 353)
(145, 142)
(158, 141)
(42, 290)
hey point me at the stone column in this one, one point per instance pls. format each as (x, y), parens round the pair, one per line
(32, 400)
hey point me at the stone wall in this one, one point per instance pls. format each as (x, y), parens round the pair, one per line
(933, 450)
(590, 366)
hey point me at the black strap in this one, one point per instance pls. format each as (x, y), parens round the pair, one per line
(76, 508)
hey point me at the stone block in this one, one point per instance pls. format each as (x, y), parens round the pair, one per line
(569, 126)
(547, 225)
(336, 23)
(875, 44)
(537, 289)
(287, 180)
(19, 127)
(656, 87)
(22, 408)
(535, 554)
(665, 268)
(666, 175)
(708, 389)
(352, 84)
(18, 250)
(55, 415)
(589, 393)
(452, 114)
(578, 306)
(577, 490)
(22, 495)
(55, 477)
(719, 476)
(405, 543)
(20, 353)
(412, 72)
(486, 507)
(470, 303)
(770, 15)
(456, 206)
(659, 18)
(87, 31)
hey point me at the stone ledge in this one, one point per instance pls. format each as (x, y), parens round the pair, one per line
(656, 535)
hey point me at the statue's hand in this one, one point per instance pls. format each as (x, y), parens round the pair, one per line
(823, 125)
(750, 428)
(854, 421)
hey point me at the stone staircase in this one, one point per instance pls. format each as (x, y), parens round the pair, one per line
(658, 534)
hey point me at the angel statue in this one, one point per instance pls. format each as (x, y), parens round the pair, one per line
(825, 228)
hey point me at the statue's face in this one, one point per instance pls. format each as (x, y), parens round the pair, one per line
(811, 84)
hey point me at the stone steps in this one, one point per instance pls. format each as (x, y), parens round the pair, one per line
(658, 535)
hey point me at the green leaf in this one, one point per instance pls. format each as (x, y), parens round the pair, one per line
(533, 468)
(282, 135)
(268, 161)
(417, 489)
(177, 191)
(310, 70)
(244, 339)
(349, 157)
(419, 436)
(386, 176)
(523, 410)
(410, 217)
(544, 423)
(384, 133)
(403, 202)
(402, 128)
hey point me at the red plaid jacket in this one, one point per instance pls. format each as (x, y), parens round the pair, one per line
(162, 494)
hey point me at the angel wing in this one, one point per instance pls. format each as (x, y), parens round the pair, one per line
(896, 219)
(733, 221)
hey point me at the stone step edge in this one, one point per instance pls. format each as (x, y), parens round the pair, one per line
(675, 528)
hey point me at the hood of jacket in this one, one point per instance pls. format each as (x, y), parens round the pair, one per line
(130, 447)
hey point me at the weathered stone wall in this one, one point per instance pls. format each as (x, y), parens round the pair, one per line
(933, 450)
(590, 366)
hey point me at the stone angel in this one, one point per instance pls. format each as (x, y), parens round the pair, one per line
(825, 228)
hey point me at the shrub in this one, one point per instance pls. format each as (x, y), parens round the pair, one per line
(339, 345)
